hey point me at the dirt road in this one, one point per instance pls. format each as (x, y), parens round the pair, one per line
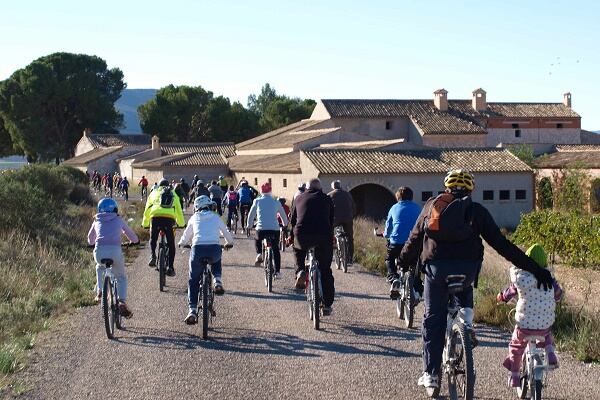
(260, 346)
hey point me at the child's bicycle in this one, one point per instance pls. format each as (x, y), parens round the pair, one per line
(533, 375)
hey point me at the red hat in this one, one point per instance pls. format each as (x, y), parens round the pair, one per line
(265, 188)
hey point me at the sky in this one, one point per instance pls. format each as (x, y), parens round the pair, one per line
(392, 49)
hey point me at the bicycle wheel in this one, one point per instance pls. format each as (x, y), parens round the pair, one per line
(344, 255)
(116, 311)
(408, 300)
(162, 268)
(108, 306)
(316, 304)
(523, 388)
(461, 370)
(205, 304)
(269, 270)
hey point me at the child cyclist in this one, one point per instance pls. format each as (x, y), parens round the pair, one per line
(203, 230)
(105, 233)
(534, 314)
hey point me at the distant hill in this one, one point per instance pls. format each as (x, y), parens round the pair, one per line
(130, 100)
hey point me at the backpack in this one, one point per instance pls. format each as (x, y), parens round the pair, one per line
(449, 218)
(232, 198)
(245, 195)
(167, 198)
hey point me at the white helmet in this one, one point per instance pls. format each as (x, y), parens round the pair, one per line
(202, 202)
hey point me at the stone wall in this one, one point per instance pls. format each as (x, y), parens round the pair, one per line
(534, 136)
(454, 141)
(171, 172)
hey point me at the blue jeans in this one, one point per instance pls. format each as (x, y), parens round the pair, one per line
(436, 306)
(213, 253)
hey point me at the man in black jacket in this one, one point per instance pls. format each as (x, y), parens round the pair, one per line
(343, 206)
(460, 252)
(312, 223)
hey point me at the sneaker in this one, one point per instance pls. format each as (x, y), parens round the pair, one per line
(428, 381)
(191, 319)
(327, 310)
(98, 297)
(259, 260)
(219, 290)
(395, 289)
(277, 275)
(124, 310)
(152, 262)
(514, 380)
(301, 280)
(170, 272)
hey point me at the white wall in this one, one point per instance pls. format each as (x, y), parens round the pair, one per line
(534, 136)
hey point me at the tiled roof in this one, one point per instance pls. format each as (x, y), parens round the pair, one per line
(370, 144)
(588, 137)
(287, 136)
(184, 159)
(572, 159)
(106, 140)
(289, 162)
(227, 149)
(578, 147)
(414, 161)
(92, 155)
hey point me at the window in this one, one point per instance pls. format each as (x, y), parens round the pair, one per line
(517, 133)
(488, 195)
(505, 195)
(520, 194)
(284, 183)
(515, 126)
(426, 196)
(559, 126)
(269, 181)
(388, 125)
(255, 181)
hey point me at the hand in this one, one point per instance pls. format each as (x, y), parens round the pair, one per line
(544, 278)
(289, 241)
(499, 298)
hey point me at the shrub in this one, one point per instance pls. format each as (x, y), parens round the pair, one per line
(369, 250)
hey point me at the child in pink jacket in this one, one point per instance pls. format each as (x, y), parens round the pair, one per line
(534, 313)
(105, 233)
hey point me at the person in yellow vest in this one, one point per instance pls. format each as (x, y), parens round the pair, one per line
(163, 212)
(222, 182)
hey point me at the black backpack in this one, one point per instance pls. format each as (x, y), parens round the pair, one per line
(449, 219)
(167, 198)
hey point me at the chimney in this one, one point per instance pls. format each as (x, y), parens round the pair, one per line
(567, 99)
(440, 99)
(155, 143)
(479, 102)
(87, 132)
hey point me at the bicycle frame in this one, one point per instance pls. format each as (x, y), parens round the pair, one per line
(269, 262)
(314, 293)
(533, 370)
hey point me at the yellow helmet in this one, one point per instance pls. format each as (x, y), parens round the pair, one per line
(459, 178)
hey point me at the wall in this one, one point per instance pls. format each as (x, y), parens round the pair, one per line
(83, 146)
(171, 172)
(533, 136)
(276, 182)
(362, 129)
(454, 141)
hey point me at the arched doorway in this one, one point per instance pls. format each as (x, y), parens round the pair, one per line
(544, 193)
(372, 201)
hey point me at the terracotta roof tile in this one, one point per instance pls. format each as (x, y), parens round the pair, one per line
(184, 159)
(91, 155)
(106, 140)
(227, 148)
(289, 162)
(572, 159)
(287, 136)
(577, 147)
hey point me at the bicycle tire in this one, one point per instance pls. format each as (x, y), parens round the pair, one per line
(463, 362)
(235, 225)
(116, 311)
(269, 269)
(523, 388)
(107, 308)
(344, 255)
(409, 300)
(316, 301)
(162, 268)
(537, 390)
(205, 305)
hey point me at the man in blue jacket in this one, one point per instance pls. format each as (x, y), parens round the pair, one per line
(400, 220)
(265, 210)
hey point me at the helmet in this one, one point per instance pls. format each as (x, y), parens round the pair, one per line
(337, 184)
(163, 182)
(265, 188)
(244, 183)
(195, 176)
(459, 179)
(302, 186)
(107, 205)
(221, 177)
(282, 200)
(200, 182)
(202, 202)
(182, 180)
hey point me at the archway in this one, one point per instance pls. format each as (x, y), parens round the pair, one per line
(544, 193)
(372, 201)
(595, 195)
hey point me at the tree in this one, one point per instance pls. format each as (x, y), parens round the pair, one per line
(524, 152)
(228, 122)
(6, 144)
(47, 104)
(258, 104)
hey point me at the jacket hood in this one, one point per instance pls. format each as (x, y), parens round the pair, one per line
(105, 217)
(538, 254)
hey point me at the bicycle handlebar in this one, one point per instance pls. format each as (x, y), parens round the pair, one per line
(223, 246)
(376, 233)
(124, 244)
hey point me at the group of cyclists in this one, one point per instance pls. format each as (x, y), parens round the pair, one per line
(443, 238)
(109, 184)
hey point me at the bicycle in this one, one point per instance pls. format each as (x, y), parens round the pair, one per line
(269, 263)
(244, 210)
(457, 357)
(407, 301)
(144, 193)
(314, 289)
(341, 248)
(163, 260)
(233, 223)
(206, 296)
(283, 235)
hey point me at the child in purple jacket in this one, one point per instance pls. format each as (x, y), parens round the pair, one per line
(105, 233)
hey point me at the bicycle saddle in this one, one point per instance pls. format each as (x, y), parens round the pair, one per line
(107, 261)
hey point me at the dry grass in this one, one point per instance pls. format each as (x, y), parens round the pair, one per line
(369, 250)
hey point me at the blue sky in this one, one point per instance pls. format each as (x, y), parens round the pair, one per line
(515, 50)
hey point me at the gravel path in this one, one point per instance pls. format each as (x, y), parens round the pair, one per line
(260, 346)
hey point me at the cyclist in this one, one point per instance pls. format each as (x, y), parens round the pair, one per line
(222, 183)
(203, 230)
(231, 202)
(400, 220)
(186, 191)
(201, 190)
(144, 184)
(105, 233)
(301, 189)
(451, 250)
(312, 226)
(265, 210)
(125, 188)
(109, 185)
(154, 187)
(245, 198)
(163, 212)
(283, 202)
(177, 187)
(216, 195)
(343, 206)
